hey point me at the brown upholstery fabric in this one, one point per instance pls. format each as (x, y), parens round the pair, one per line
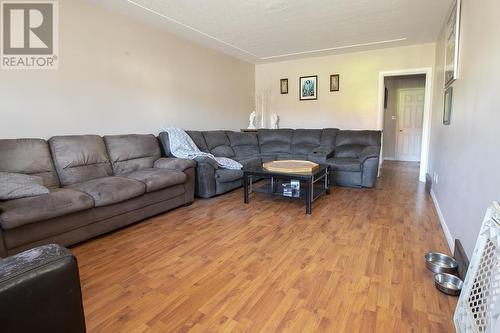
(79, 158)
(132, 152)
(171, 163)
(59, 202)
(157, 179)
(110, 190)
(28, 156)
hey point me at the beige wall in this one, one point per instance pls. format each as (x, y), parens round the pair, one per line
(393, 85)
(465, 155)
(117, 75)
(355, 106)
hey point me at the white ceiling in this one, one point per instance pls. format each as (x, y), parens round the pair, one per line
(271, 30)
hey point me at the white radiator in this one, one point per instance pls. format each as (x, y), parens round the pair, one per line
(478, 308)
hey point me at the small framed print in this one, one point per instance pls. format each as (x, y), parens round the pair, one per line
(335, 82)
(284, 86)
(448, 103)
(308, 88)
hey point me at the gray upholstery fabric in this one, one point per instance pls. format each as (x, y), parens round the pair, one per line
(369, 152)
(244, 144)
(132, 152)
(370, 172)
(205, 179)
(59, 202)
(165, 143)
(349, 151)
(275, 141)
(218, 143)
(110, 190)
(345, 164)
(79, 158)
(347, 178)
(28, 156)
(365, 138)
(305, 141)
(18, 185)
(221, 188)
(172, 163)
(250, 162)
(328, 139)
(226, 175)
(199, 140)
(157, 179)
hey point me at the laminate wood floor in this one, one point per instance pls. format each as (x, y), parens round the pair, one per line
(355, 265)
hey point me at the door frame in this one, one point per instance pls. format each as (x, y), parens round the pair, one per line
(398, 115)
(426, 126)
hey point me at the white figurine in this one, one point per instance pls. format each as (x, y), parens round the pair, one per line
(274, 121)
(251, 120)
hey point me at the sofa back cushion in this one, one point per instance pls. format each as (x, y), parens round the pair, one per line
(365, 138)
(28, 156)
(199, 140)
(244, 144)
(272, 141)
(304, 141)
(132, 152)
(218, 143)
(79, 158)
(328, 139)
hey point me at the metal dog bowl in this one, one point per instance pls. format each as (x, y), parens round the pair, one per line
(440, 263)
(448, 284)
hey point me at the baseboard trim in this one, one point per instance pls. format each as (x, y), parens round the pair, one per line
(389, 158)
(446, 230)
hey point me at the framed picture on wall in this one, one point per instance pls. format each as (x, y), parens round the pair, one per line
(452, 40)
(448, 103)
(308, 88)
(284, 86)
(335, 82)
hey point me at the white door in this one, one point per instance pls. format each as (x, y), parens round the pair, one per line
(410, 120)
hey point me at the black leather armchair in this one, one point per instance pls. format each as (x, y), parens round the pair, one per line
(40, 292)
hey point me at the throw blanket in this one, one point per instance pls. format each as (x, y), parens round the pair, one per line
(182, 146)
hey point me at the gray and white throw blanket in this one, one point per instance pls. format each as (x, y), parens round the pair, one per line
(182, 146)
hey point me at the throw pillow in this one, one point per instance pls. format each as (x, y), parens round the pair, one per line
(17, 185)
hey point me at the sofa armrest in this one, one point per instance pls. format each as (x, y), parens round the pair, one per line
(40, 292)
(369, 152)
(173, 163)
(207, 160)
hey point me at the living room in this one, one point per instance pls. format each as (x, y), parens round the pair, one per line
(278, 166)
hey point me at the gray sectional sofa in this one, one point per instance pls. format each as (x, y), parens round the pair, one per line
(352, 155)
(97, 184)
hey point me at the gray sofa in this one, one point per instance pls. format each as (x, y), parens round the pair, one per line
(97, 184)
(352, 155)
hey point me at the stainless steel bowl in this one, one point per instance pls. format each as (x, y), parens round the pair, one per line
(448, 284)
(440, 263)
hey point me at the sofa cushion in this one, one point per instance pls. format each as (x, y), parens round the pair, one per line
(304, 141)
(79, 158)
(132, 152)
(172, 163)
(250, 163)
(28, 156)
(110, 190)
(227, 175)
(273, 141)
(218, 143)
(199, 140)
(345, 164)
(59, 202)
(365, 138)
(18, 185)
(244, 144)
(349, 151)
(157, 179)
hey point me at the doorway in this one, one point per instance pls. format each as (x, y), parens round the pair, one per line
(404, 115)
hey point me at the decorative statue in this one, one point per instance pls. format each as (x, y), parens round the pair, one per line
(274, 121)
(251, 120)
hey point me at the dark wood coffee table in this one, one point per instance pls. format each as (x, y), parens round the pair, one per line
(312, 185)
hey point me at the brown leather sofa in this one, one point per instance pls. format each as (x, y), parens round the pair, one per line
(97, 184)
